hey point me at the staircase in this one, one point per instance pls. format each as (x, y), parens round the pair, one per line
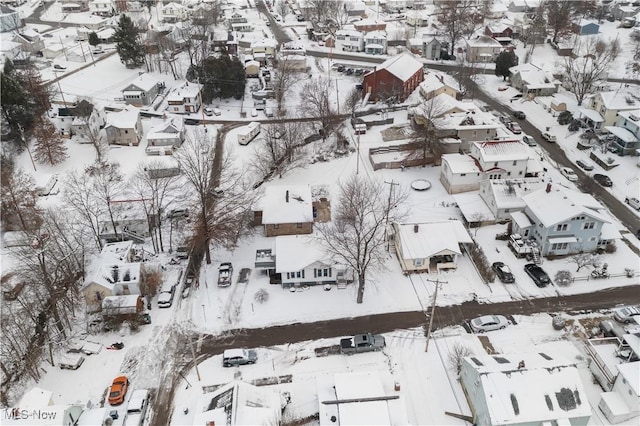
(133, 236)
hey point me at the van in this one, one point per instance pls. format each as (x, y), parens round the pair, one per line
(137, 408)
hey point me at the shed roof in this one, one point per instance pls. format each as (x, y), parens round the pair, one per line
(431, 238)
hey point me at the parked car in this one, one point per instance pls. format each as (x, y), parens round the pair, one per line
(515, 128)
(341, 68)
(232, 357)
(191, 122)
(603, 180)
(59, 67)
(569, 174)
(503, 272)
(625, 314)
(537, 274)
(504, 119)
(519, 115)
(137, 407)
(349, 71)
(165, 299)
(178, 213)
(529, 140)
(208, 111)
(549, 137)
(359, 71)
(98, 51)
(118, 390)
(71, 361)
(488, 323)
(366, 342)
(633, 202)
(584, 165)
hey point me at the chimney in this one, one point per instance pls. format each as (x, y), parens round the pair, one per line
(548, 187)
(415, 228)
(521, 365)
(115, 273)
(286, 197)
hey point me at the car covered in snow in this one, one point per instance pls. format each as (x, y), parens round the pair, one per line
(625, 314)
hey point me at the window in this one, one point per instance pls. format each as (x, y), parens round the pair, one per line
(495, 164)
(417, 262)
(559, 246)
(588, 225)
(463, 174)
(515, 162)
(562, 227)
(288, 275)
(298, 275)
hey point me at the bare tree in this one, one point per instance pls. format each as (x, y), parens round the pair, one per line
(424, 133)
(49, 146)
(563, 278)
(281, 150)
(353, 100)
(585, 73)
(284, 77)
(584, 259)
(282, 7)
(316, 102)
(318, 10)
(19, 201)
(356, 235)
(80, 198)
(155, 191)
(634, 64)
(457, 18)
(558, 17)
(457, 355)
(107, 185)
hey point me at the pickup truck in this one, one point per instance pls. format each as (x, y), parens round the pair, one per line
(362, 343)
(225, 271)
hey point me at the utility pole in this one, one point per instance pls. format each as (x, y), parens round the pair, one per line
(386, 222)
(433, 311)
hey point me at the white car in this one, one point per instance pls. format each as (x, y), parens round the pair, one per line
(633, 202)
(549, 137)
(625, 314)
(569, 174)
(515, 128)
(488, 323)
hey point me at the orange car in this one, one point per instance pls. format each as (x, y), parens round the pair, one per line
(118, 390)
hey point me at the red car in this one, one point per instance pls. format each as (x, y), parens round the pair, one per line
(118, 390)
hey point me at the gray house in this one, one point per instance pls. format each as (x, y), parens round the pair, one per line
(528, 78)
(142, 91)
(431, 48)
(563, 221)
(524, 389)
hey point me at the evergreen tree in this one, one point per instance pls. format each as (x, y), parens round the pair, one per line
(14, 100)
(221, 77)
(505, 60)
(128, 45)
(49, 146)
(93, 39)
(39, 93)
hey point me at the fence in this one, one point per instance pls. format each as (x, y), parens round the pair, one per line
(403, 160)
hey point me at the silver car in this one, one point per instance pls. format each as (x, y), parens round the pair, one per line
(488, 323)
(625, 314)
(232, 357)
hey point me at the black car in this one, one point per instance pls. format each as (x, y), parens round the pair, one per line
(537, 274)
(349, 71)
(191, 122)
(584, 165)
(603, 180)
(341, 68)
(519, 115)
(359, 71)
(503, 272)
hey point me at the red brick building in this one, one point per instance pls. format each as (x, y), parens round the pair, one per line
(397, 78)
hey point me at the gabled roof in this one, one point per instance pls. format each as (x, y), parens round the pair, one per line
(501, 151)
(125, 119)
(618, 100)
(296, 252)
(483, 41)
(171, 125)
(461, 163)
(145, 82)
(561, 204)
(529, 388)
(402, 66)
(534, 77)
(187, 90)
(434, 81)
(431, 238)
(109, 275)
(287, 204)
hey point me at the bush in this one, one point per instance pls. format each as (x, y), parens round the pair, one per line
(482, 263)
(261, 296)
(563, 278)
(565, 117)
(610, 248)
(574, 126)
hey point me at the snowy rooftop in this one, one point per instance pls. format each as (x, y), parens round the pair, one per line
(187, 90)
(287, 204)
(125, 119)
(560, 204)
(144, 82)
(618, 100)
(36, 398)
(461, 163)
(472, 118)
(536, 78)
(434, 81)
(169, 128)
(402, 66)
(530, 387)
(473, 208)
(483, 41)
(508, 193)
(108, 276)
(621, 133)
(431, 238)
(116, 252)
(296, 252)
(501, 150)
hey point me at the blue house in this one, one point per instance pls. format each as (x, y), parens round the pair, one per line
(585, 27)
(562, 221)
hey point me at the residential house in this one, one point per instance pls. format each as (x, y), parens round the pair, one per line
(530, 79)
(300, 260)
(242, 27)
(418, 18)
(471, 124)
(9, 19)
(265, 46)
(169, 133)
(102, 7)
(524, 389)
(351, 39)
(359, 398)
(286, 210)
(30, 40)
(239, 403)
(502, 32)
(74, 6)
(436, 83)
(111, 279)
(483, 49)
(432, 48)
(375, 43)
(624, 10)
(368, 25)
(431, 111)
(504, 196)
(10, 50)
(53, 50)
(295, 62)
(141, 91)
(429, 247)
(237, 18)
(396, 78)
(292, 48)
(603, 108)
(87, 122)
(124, 127)
(626, 134)
(252, 68)
(585, 27)
(185, 99)
(563, 221)
(173, 12)
(497, 159)
(518, 6)
(622, 403)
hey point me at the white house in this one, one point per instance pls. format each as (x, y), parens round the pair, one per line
(431, 246)
(301, 260)
(375, 43)
(504, 196)
(110, 279)
(622, 403)
(87, 128)
(530, 79)
(169, 133)
(351, 40)
(460, 173)
(185, 99)
(524, 389)
(482, 49)
(102, 7)
(173, 12)
(141, 91)
(124, 127)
